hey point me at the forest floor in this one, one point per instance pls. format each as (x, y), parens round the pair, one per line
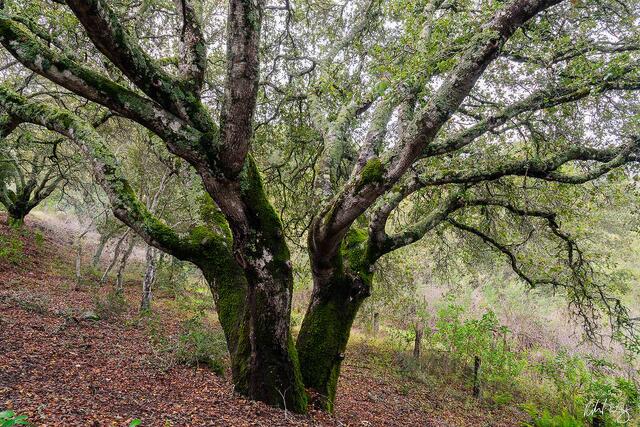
(61, 369)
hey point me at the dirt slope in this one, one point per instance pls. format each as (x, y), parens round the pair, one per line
(61, 370)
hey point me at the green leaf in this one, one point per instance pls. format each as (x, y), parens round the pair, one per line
(4, 415)
(135, 422)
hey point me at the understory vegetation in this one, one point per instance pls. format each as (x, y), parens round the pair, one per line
(523, 364)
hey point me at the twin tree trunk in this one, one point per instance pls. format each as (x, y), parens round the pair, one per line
(252, 285)
(254, 311)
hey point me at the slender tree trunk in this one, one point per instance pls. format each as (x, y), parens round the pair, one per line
(149, 279)
(104, 239)
(476, 376)
(123, 265)
(78, 263)
(376, 324)
(116, 256)
(417, 345)
(78, 245)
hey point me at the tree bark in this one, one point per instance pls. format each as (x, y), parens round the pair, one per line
(116, 256)
(254, 313)
(417, 345)
(341, 282)
(476, 376)
(325, 332)
(376, 324)
(253, 290)
(16, 215)
(323, 339)
(104, 238)
(78, 262)
(15, 220)
(123, 265)
(149, 279)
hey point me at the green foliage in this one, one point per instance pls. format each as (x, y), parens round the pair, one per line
(197, 344)
(10, 419)
(588, 387)
(11, 249)
(200, 345)
(372, 173)
(485, 338)
(296, 318)
(38, 238)
(545, 419)
(111, 306)
(172, 275)
(135, 422)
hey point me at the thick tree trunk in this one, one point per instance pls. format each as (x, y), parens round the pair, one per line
(149, 279)
(253, 297)
(324, 335)
(15, 222)
(341, 282)
(254, 313)
(15, 217)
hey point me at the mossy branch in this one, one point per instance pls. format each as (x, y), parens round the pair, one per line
(114, 41)
(92, 85)
(198, 244)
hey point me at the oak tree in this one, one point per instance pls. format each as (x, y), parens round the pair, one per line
(433, 103)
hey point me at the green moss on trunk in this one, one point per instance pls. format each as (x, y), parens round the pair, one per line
(321, 345)
(327, 324)
(15, 222)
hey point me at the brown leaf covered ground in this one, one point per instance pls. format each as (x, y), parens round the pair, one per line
(61, 370)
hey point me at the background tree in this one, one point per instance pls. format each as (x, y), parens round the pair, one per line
(30, 170)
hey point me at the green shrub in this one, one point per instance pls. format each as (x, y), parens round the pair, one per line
(38, 238)
(587, 387)
(199, 344)
(485, 338)
(545, 419)
(296, 318)
(111, 305)
(10, 419)
(11, 249)
(172, 276)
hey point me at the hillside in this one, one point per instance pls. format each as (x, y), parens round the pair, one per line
(61, 367)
